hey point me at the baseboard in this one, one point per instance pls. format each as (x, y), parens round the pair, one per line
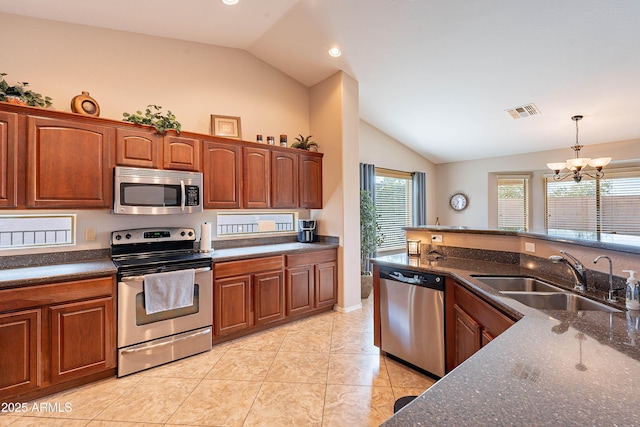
(347, 309)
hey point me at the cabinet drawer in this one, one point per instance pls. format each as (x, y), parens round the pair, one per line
(34, 296)
(313, 257)
(248, 266)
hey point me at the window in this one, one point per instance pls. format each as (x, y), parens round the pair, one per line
(394, 207)
(594, 206)
(513, 203)
(229, 224)
(36, 230)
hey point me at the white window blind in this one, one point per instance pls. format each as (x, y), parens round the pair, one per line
(593, 206)
(513, 203)
(393, 206)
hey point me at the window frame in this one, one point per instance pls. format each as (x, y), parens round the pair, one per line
(408, 177)
(72, 230)
(527, 199)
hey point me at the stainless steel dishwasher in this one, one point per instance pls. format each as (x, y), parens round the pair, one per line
(412, 317)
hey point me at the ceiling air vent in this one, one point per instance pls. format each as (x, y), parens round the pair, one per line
(523, 111)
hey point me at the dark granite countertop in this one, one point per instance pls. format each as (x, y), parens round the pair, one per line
(29, 275)
(550, 368)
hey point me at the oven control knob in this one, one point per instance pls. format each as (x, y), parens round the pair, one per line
(127, 236)
(182, 233)
(190, 233)
(118, 237)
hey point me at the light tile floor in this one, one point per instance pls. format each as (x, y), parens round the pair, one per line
(320, 371)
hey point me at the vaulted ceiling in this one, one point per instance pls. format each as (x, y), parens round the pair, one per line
(437, 75)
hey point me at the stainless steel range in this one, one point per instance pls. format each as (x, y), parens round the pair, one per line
(164, 297)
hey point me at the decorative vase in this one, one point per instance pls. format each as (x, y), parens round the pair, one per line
(84, 104)
(366, 285)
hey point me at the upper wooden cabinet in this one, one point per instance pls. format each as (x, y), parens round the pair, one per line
(144, 148)
(181, 153)
(222, 167)
(69, 164)
(140, 148)
(284, 179)
(8, 159)
(255, 177)
(310, 181)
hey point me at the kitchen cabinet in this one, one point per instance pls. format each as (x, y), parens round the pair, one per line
(256, 173)
(145, 148)
(247, 293)
(284, 179)
(69, 164)
(311, 281)
(222, 175)
(56, 336)
(310, 181)
(8, 160)
(471, 323)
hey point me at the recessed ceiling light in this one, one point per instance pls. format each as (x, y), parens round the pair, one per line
(335, 52)
(230, 2)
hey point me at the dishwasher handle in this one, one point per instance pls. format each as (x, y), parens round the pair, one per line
(416, 278)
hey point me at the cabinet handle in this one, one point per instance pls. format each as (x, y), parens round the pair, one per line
(141, 278)
(162, 344)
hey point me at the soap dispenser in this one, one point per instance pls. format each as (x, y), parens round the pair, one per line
(633, 291)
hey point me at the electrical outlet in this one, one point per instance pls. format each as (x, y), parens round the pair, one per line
(90, 234)
(529, 247)
(436, 238)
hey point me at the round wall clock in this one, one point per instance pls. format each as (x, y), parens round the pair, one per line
(458, 201)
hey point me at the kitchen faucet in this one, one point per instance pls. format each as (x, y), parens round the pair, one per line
(611, 290)
(578, 270)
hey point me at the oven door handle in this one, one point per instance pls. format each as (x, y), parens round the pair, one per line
(162, 344)
(141, 278)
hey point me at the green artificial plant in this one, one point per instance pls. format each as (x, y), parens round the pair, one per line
(304, 143)
(153, 117)
(22, 94)
(370, 237)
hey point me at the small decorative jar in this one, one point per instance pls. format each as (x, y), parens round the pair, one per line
(259, 139)
(271, 140)
(283, 140)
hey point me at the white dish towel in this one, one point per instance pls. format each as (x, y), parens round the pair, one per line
(168, 291)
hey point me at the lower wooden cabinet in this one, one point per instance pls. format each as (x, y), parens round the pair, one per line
(471, 323)
(258, 293)
(56, 336)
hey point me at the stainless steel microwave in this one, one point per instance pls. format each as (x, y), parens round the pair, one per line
(156, 192)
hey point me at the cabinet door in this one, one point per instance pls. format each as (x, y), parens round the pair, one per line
(69, 164)
(82, 338)
(300, 289)
(326, 284)
(8, 159)
(268, 289)
(222, 175)
(140, 148)
(19, 352)
(310, 181)
(232, 304)
(284, 179)
(181, 153)
(255, 172)
(468, 335)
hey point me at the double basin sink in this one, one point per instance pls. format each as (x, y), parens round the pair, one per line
(542, 295)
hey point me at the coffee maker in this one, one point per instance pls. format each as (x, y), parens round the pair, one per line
(306, 230)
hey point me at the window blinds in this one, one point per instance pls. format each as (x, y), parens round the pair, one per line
(394, 206)
(593, 206)
(513, 203)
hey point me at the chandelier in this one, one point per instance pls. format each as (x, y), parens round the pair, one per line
(577, 164)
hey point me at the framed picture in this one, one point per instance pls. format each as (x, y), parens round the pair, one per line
(226, 126)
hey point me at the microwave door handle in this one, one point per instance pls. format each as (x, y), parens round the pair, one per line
(184, 195)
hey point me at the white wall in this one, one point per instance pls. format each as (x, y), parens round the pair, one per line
(126, 71)
(474, 179)
(381, 150)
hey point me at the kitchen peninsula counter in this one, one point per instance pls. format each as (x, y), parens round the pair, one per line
(550, 368)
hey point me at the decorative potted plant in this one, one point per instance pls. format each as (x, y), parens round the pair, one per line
(304, 143)
(21, 95)
(153, 117)
(370, 239)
